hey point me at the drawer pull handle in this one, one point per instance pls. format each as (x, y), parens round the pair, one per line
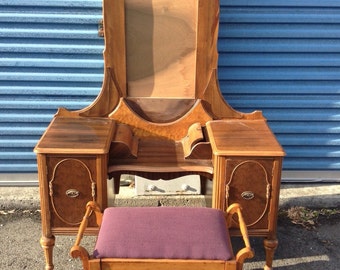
(248, 195)
(72, 193)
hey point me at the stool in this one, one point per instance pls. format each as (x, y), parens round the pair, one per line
(162, 238)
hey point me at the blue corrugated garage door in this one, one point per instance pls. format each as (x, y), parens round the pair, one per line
(282, 57)
(51, 56)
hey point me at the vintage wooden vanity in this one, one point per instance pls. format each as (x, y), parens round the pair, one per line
(160, 115)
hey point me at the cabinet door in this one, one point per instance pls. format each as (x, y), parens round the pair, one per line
(71, 186)
(249, 184)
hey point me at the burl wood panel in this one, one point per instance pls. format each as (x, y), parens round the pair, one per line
(249, 183)
(71, 185)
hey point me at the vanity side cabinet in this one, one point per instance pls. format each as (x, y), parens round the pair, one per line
(247, 163)
(72, 159)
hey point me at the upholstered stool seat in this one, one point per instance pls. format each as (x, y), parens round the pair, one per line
(167, 238)
(163, 233)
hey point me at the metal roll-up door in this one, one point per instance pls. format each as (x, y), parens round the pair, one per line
(51, 56)
(283, 57)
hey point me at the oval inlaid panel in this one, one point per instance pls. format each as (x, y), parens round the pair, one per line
(71, 187)
(249, 186)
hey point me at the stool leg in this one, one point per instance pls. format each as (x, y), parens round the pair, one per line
(270, 246)
(47, 243)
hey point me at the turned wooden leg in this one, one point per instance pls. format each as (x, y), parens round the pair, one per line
(47, 243)
(270, 246)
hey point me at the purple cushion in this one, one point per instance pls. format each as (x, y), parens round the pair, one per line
(163, 233)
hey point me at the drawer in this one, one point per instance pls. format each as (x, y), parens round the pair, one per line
(71, 186)
(249, 182)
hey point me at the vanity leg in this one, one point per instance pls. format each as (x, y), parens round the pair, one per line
(270, 246)
(47, 243)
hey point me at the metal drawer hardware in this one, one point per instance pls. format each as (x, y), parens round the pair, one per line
(72, 193)
(248, 195)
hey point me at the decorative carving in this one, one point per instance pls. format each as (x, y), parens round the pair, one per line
(195, 145)
(101, 28)
(124, 143)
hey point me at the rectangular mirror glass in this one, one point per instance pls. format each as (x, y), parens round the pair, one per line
(161, 48)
